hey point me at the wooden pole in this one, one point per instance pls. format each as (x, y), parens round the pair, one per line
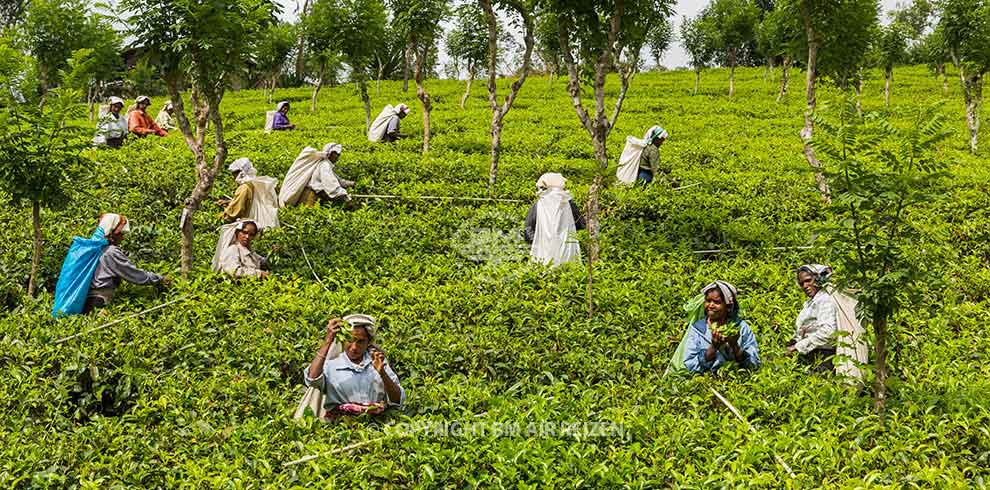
(751, 428)
(107, 325)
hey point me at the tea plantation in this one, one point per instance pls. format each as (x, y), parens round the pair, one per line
(200, 394)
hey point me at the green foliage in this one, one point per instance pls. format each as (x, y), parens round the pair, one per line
(55, 29)
(467, 41)
(200, 394)
(659, 38)
(697, 37)
(97, 63)
(273, 48)
(891, 45)
(17, 81)
(419, 20)
(780, 32)
(880, 175)
(965, 27)
(40, 150)
(734, 23)
(360, 24)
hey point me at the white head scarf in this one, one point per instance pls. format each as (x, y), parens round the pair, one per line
(729, 294)
(280, 105)
(112, 222)
(332, 148)
(551, 180)
(402, 108)
(116, 100)
(246, 171)
(168, 105)
(142, 98)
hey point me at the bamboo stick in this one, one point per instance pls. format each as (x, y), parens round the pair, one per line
(447, 198)
(752, 429)
(107, 325)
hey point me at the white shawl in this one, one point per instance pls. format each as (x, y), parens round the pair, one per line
(553, 241)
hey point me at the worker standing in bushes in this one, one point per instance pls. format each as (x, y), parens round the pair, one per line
(360, 381)
(719, 336)
(166, 117)
(312, 178)
(237, 259)
(138, 120)
(552, 221)
(255, 199)
(111, 128)
(280, 118)
(386, 127)
(640, 159)
(114, 266)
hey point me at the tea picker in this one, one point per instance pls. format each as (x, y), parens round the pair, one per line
(386, 127)
(95, 267)
(236, 259)
(313, 178)
(716, 335)
(278, 120)
(552, 221)
(640, 159)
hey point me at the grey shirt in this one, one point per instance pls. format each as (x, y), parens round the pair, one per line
(392, 129)
(113, 267)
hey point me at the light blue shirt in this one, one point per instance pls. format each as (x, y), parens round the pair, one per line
(699, 338)
(343, 381)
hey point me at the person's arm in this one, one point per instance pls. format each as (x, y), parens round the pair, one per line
(529, 230)
(314, 374)
(392, 129)
(136, 123)
(281, 121)
(696, 353)
(579, 222)
(239, 206)
(745, 350)
(120, 266)
(155, 128)
(823, 335)
(396, 395)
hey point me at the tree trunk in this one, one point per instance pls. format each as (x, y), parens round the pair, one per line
(38, 243)
(697, 80)
(810, 79)
(945, 79)
(91, 101)
(888, 74)
(880, 364)
(784, 77)
(859, 95)
(301, 45)
(467, 89)
(766, 70)
(205, 176)
(972, 89)
(363, 84)
(423, 95)
(770, 62)
(732, 76)
(405, 68)
(316, 89)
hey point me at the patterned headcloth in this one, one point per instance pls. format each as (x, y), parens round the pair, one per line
(820, 272)
(402, 108)
(653, 133)
(332, 148)
(114, 223)
(366, 321)
(728, 291)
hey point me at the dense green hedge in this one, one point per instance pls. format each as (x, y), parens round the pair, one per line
(200, 395)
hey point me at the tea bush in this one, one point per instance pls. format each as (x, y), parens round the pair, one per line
(200, 394)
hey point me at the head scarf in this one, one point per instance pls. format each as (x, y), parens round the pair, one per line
(366, 321)
(820, 272)
(116, 100)
(551, 181)
(142, 98)
(245, 170)
(653, 133)
(280, 105)
(168, 105)
(728, 292)
(332, 148)
(114, 223)
(402, 108)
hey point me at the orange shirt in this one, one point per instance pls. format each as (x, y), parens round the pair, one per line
(141, 124)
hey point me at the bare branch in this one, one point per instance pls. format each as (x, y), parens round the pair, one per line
(574, 85)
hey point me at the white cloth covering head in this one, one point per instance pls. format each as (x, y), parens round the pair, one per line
(280, 105)
(114, 223)
(313, 169)
(728, 292)
(245, 170)
(366, 321)
(551, 180)
(332, 148)
(820, 272)
(402, 108)
(167, 106)
(116, 100)
(142, 98)
(228, 237)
